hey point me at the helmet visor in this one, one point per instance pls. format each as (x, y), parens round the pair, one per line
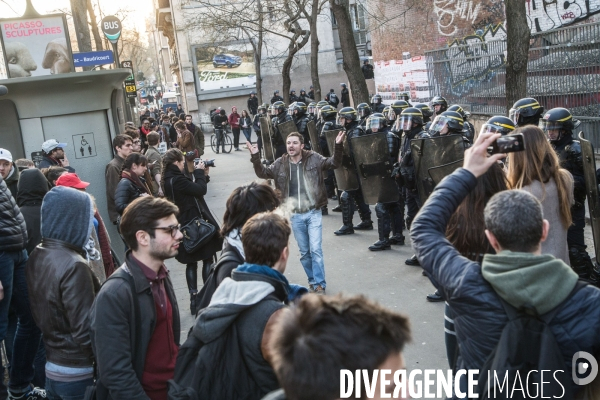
(311, 109)
(405, 122)
(274, 111)
(440, 125)
(514, 114)
(391, 115)
(375, 124)
(363, 112)
(490, 128)
(546, 125)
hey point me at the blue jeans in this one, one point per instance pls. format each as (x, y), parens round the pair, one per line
(248, 133)
(56, 390)
(28, 335)
(308, 231)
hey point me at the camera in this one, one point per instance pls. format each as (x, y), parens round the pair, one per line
(207, 163)
(508, 144)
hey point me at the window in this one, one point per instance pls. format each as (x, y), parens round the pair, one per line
(333, 20)
(357, 12)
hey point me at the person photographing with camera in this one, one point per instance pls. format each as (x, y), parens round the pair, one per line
(188, 196)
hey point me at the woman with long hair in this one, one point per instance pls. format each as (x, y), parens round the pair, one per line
(466, 232)
(189, 195)
(537, 170)
(132, 184)
(185, 142)
(246, 125)
(243, 203)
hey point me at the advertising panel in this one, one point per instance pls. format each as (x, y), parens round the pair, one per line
(402, 76)
(36, 46)
(228, 65)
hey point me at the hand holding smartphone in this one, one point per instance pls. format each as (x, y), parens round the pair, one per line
(508, 144)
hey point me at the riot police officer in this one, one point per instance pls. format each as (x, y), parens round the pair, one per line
(348, 118)
(396, 109)
(526, 111)
(411, 123)
(280, 116)
(301, 120)
(312, 111)
(438, 104)
(427, 114)
(404, 96)
(363, 110)
(293, 97)
(276, 97)
(447, 123)
(377, 103)
(558, 124)
(389, 215)
(469, 129)
(498, 124)
(261, 112)
(328, 123)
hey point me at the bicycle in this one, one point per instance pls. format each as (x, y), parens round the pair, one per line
(221, 139)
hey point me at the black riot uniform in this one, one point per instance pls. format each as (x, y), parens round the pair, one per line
(328, 122)
(261, 112)
(348, 117)
(468, 128)
(377, 105)
(281, 116)
(558, 123)
(293, 97)
(389, 215)
(276, 97)
(301, 120)
(363, 110)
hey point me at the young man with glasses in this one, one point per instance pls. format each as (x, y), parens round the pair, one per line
(136, 353)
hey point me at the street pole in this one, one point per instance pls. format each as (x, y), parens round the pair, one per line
(126, 105)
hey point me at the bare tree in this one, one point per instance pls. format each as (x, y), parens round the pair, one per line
(517, 49)
(94, 26)
(351, 62)
(82, 31)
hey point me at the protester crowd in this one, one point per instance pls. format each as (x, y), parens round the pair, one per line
(501, 239)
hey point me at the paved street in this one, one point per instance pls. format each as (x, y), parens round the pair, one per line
(350, 267)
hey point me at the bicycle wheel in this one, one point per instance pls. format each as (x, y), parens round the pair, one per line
(213, 143)
(227, 144)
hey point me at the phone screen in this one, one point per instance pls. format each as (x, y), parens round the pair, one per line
(508, 144)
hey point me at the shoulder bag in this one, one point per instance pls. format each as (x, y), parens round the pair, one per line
(197, 232)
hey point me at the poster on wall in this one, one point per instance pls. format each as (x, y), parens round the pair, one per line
(36, 46)
(408, 75)
(229, 65)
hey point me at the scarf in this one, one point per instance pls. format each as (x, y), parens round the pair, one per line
(104, 239)
(191, 127)
(145, 131)
(234, 238)
(127, 174)
(294, 291)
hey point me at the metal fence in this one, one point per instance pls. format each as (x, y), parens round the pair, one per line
(563, 71)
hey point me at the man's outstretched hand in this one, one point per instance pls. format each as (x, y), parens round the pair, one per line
(340, 137)
(477, 161)
(252, 147)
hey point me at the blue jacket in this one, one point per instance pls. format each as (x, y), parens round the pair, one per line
(479, 315)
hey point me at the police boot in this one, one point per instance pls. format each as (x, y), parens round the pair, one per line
(595, 275)
(435, 297)
(580, 262)
(381, 244)
(347, 228)
(413, 261)
(398, 239)
(337, 208)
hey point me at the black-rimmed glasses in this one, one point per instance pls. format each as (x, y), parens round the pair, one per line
(172, 229)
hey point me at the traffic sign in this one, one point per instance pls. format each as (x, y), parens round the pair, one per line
(111, 26)
(93, 58)
(128, 64)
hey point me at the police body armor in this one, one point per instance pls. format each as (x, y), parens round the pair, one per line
(265, 133)
(435, 158)
(330, 125)
(302, 128)
(285, 128)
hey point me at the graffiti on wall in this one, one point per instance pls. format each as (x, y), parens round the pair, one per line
(544, 15)
(476, 57)
(450, 12)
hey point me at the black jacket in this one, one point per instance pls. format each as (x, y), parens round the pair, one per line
(367, 70)
(345, 98)
(48, 162)
(218, 121)
(276, 98)
(33, 186)
(186, 192)
(479, 315)
(571, 158)
(113, 331)
(13, 231)
(253, 105)
(127, 192)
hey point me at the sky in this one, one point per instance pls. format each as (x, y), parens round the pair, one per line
(139, 9)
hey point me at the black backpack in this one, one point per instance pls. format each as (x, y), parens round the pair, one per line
(333, 99)
(526, 344)
(210, 286)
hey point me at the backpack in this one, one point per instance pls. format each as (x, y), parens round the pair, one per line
(527, 344)
(210, 286)
(333, 99)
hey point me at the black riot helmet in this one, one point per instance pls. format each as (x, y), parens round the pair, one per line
(447, 123)
(376, 99)
(397, 107)
(299, 108)
(364, 110)
(526, 111)
(375, 123)
(328, 111)
(319, 106)
(278, 107)
(425, 110)
(439, 101)
(388, 114)
(404, 96)
(312, 107)
(408, 118)
(460, 110)
(346, 116)
(498, 124)
(263, 108)
(558, 123)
